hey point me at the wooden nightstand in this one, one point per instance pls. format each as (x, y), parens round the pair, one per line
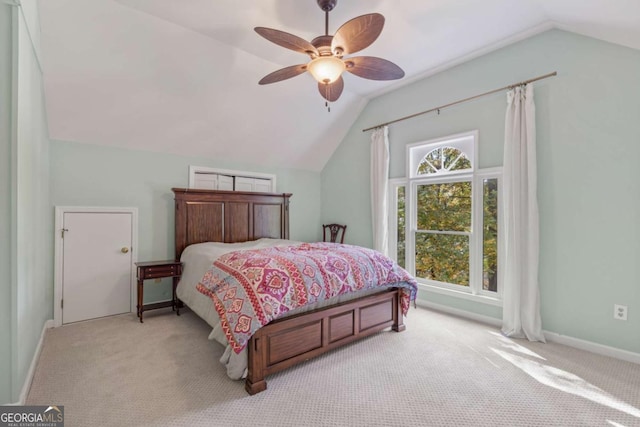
(157, 270)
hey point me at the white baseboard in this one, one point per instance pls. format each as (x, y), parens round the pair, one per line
(590, 346)
(604, 350)
(461, 313)
(34, 362)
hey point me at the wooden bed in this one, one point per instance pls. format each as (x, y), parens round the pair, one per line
(234, 216)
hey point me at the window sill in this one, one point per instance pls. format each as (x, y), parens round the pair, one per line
(462, 295)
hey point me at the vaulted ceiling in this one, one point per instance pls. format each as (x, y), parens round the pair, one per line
(180, 76)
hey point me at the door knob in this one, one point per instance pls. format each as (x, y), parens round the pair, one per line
(124, 250)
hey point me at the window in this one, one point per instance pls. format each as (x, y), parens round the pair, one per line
(444, 218)
(397, 221)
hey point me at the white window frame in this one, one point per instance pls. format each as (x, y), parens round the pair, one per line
(193, 170)
(466, 142)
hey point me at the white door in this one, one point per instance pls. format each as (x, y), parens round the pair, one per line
(97, 265)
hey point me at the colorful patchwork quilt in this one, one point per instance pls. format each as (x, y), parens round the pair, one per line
(250, 288)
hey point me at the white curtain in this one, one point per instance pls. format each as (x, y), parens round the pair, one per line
(380, 188)
(521, 310)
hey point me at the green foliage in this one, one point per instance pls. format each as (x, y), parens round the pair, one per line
(490, 235)
(401, 227)
(444, 208)
(443, 257)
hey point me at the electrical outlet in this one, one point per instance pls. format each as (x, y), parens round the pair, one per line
(620, 312)
(158, 280)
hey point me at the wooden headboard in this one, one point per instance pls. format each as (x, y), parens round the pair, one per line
(228, 216)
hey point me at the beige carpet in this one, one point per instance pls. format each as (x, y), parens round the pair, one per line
(442, 371)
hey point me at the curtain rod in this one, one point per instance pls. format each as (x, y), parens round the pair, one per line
(555, 73)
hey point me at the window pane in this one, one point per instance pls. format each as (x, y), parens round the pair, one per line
(425, 168)
(435, 158)
(444, 207)
(442, 160)
(461, 161)
(443, 257)
(490, 235)
(400, 256)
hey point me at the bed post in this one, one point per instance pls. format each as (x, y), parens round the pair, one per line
(398, 321)
(255, 382)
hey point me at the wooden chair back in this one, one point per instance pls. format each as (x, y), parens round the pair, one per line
(336, 232)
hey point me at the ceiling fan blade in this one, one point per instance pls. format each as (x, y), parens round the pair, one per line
(370, 67)
(283, 74)
(287, 40)
(357, 33)
(331, 92)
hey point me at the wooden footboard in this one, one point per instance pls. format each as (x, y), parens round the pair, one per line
(286, 342)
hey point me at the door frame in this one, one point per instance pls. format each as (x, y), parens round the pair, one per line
(59, 249)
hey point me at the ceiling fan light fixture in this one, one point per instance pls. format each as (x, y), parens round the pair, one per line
(326, 69)
(326, 53)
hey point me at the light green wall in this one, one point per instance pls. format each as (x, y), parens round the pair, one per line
(92, 175)
(33, 286)
(5, 201)
(588, 136)
(26, 276)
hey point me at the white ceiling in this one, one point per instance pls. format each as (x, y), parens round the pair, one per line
(180, 76)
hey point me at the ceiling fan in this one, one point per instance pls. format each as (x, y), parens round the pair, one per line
(327, 53)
